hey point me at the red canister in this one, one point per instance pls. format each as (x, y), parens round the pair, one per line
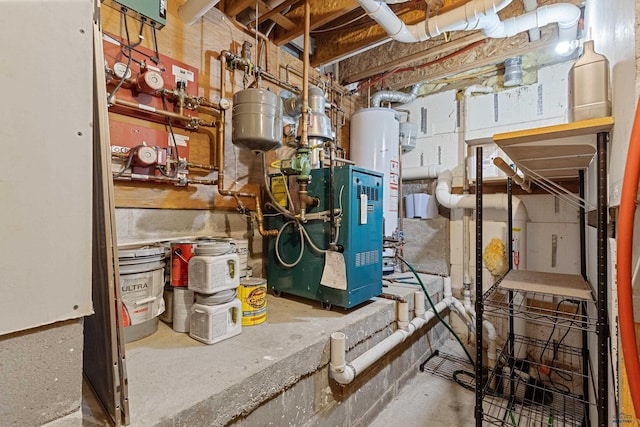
(181, 253)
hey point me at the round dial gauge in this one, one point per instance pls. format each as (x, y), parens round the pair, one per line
(225, 104)
(119, 69)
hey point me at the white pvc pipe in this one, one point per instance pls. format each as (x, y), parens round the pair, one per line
(565, 14)
(489, 329)
(361, 363)
(456, 305)
(475, 15)
(530, 6)
(468, 201)
(338, 352)
(193, 10)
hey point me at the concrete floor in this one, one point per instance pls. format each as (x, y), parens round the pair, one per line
(426, 399)
(430, 400)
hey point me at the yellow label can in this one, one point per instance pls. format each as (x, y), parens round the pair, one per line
(252, 292)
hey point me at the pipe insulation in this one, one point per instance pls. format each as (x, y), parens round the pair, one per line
(345, 373)
(475, 15)
(193, 10)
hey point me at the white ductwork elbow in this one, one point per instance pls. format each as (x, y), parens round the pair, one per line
(193, 10)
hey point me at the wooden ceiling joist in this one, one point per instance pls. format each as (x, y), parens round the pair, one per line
(232, 8)
(276, 11)
(279, 19)
(322, 12)
(333, 46)
(418, 56)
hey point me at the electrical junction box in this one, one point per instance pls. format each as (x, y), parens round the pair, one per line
(361, 240)
(151, 10)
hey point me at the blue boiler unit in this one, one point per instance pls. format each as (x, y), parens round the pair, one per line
(359, 192)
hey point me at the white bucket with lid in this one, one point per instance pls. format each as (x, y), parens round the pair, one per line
(241, 247)
(213, 323)
(212, 269)
(182, 303)
(141, 286)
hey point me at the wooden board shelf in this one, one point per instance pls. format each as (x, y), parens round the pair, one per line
(558, 151)
(564, 285)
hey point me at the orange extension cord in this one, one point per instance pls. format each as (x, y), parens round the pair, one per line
(625, 252)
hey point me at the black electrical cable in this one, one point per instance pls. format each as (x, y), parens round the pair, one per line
(155, 44)
(433, 307)
(175, 144)
(123, 12)
(563, 388)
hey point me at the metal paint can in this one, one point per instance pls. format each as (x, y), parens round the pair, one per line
(181, 253)
(252, 292)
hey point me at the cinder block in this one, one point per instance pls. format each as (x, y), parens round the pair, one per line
(41, 373)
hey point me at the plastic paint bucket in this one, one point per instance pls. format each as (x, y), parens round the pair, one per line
(141, 286)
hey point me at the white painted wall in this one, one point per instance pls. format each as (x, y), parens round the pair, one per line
(46, 162)
(438, 140)
(540, 104)
(613, 32)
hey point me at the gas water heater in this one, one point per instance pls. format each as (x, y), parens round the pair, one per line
(296, 267)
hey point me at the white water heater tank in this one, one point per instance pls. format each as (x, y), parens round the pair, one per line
(374, 145)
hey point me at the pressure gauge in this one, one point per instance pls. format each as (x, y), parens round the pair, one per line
(225, 104)
(119, 69)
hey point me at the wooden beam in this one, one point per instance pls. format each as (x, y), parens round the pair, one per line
(279, 19)
(334, 46)
(146, 195)
(418, 56)
(276, 10)
(322, 12)
(235, 7)
(445, 70)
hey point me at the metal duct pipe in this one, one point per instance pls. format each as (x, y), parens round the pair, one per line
(193, 10)
(395, 96)
(475, 15)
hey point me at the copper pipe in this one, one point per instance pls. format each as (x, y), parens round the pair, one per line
(145, 108)
(260, 220)
(142, 177)
(220, 133)
(304, 143)
(212, 143)
(223, 71)
(258, 34)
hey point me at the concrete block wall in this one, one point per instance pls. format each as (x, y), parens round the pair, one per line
(41, 374)
(317, 400)
(427, 242)
(151, 225)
